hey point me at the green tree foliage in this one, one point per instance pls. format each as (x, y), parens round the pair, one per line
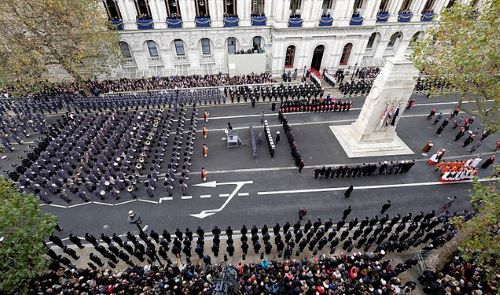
(23, 227)
(481, 238)
(48, 41)
(463, 47)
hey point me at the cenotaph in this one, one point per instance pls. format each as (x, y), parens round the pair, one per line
(374, 132)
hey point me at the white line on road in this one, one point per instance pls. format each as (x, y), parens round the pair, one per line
(147, 201)
(57, 206)
(243, 194)
(126, 202)
(205, 196)
(165, 199)
(186, 197)
(224, 195)
(77, 205)
(330, 189)
(101, 203)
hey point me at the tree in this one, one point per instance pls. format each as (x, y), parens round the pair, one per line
(463, 48)
(47, 41)
(23, 227)
(480, 235)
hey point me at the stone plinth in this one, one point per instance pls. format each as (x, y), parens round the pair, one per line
(374, 132)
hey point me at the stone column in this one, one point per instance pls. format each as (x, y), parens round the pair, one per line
(128, 13)
(342, 12)
(159, 13)
(394, 7)
(188, 13)
(243, 9)
(370, 12)
(216, 10)
(374, 132)
(416, 8)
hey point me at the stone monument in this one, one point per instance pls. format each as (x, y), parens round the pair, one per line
(374, 132)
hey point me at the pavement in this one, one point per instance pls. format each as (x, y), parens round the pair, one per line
(267, 190)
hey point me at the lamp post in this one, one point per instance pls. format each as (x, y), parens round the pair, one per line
(134, 218)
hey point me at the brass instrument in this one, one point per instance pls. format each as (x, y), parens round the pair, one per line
(130, 188)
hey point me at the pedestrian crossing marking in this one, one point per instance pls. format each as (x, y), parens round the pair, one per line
(205, 196)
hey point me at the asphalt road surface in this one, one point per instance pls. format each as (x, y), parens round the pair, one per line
(242, 190)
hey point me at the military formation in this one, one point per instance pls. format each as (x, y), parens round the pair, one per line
(252, 94)
(365, 169)
(326, 104)
(379, 233)
(102, 155)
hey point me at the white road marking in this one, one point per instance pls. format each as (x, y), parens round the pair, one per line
(186, 197)
(224, 195)
(330, 189)
(126, 202)
(165, 199)
(205, 196)
(57, 206)
(147, 201)
(101, 203)
(243, 194)
(81, 204)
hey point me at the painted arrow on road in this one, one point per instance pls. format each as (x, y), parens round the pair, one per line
(206, 213)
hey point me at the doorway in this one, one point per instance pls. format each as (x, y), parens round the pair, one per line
(346, 53)
(317, 57)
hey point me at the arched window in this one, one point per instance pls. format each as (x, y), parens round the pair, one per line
(406, 5)
(415, 37)
(295, 7)
(112, 9)
(371, 40)
(257, 43)
(393, 39)
(290, 56)
(152, 48)
(202, 8)
(230, 8)
(346, 53)
(257, 7)
(125, 49)
(142, 7)
(172, 8)
(179, 47)
(231, 45)
(205, 46)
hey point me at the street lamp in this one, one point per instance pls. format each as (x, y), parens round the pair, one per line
(134, 218)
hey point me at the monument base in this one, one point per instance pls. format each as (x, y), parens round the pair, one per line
(355, 149)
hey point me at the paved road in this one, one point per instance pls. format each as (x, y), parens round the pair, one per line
(277, 189)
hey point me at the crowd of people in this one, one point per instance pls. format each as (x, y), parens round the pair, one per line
(380, 168)
(458, 276)
(458, 170)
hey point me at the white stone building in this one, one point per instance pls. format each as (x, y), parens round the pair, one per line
(167, 37)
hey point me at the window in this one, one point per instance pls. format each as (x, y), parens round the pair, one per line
(428, 6)
(112, 9)
(371, 40)
(205, 46)
(383, 5)
(125, 49)
(257, 7)
(230, 8)
(406, 5)
(290, 56)
(173, 10)
(327, 4)
(179, 47)
(142, 7)
(450, 4)
(202, 8)
(358, 4)
(346, 53)
(393, 39)
(295, 7)
(257, 43)
(415, 37)
(231, 45)
(153, 49)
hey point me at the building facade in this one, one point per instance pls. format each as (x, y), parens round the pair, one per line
(181, 37)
